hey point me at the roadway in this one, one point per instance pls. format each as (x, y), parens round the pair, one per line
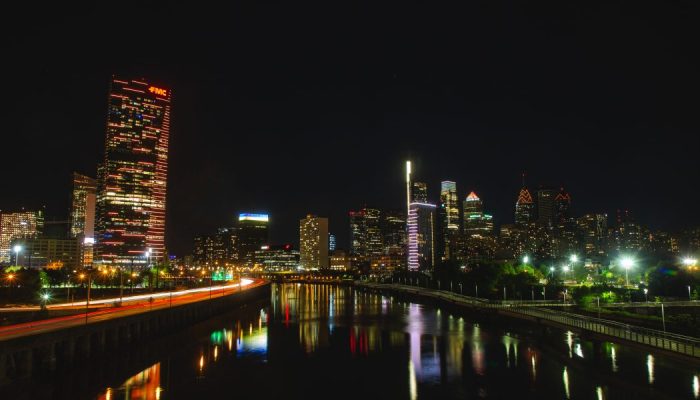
(130, 305)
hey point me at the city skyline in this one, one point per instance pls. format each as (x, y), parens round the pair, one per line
(615, 137)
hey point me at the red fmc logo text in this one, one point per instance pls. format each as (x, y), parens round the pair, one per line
(158, 91)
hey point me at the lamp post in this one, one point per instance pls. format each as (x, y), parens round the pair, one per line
(87, 301)
(689, 297)
(17, 248)
(627, 263)
(10, 278)
(526, 259)
(690, 262)
(551, 272)
(573, 259)
(460, 288)
(646, 298)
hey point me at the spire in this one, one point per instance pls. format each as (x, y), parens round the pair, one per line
(472, 197)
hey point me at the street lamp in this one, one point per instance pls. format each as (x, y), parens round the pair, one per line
(645, 295)
(10, 278)
(526, 259)
(573, 258)
(44, 298)
(627, 263)
(565, 269)
(690, 262)
(17, 248)
(689, 298)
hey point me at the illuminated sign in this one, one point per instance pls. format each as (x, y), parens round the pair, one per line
(89, 240)
(158, 91)
(253, 217)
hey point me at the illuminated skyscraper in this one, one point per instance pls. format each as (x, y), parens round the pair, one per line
(83, 215)
(593, 229)
(18, 225)
(83, 206)
(313, 242)
(419, 224)
(366, 239)
(449, 215)
(524, 208)
(562, 203)
(252, 232)
(475, 221)
(132, 179)
(331, 242)
(394, 234)
(411, 224)
(546, 206)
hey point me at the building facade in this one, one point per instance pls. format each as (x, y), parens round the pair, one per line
(132, 179)
(18, 225)
(252, 233)
(313, 242)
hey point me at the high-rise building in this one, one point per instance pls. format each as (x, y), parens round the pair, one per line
(449, 218)
(18, 225)
(83, 206)
(421, 220)
(562, 203)
(628, 235)
(331, 242)
(132, 179)
(220, 248)
(366, 239)
(252, 232)
(313, 242)
(476, 222)
(546, 206)
(83, 215)
(394, 234)
(419, 193)
(593, 229)
(524, 208)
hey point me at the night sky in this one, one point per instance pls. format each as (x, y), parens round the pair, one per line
(291, 108)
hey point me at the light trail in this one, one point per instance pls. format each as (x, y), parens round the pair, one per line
(244, 282)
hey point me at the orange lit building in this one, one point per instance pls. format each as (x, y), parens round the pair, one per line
(132, 179)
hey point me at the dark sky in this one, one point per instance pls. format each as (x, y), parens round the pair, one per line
(290, 109)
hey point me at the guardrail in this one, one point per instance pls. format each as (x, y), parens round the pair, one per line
(686, 345)
(669, 341)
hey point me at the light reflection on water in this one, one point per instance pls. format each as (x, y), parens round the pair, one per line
(438, 354)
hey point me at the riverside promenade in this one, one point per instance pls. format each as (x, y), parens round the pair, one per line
(673, 344)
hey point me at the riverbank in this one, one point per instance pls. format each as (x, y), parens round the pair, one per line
(685, 347)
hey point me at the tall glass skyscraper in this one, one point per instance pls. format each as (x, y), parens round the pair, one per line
(449, 214)
(133, 176)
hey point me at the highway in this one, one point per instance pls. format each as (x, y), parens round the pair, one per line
(130, 305)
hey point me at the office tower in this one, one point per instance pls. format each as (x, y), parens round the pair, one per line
(628, 235)
(252, 232)
(278, 258)
(524, 208)
(18, 225)
(421, 221)
(83, 206)
(365, 233)
(476, 222)
(419, 192)
(562, 203)
(394, 235)
(83, 215)
(331, 242)
(411, 224)
(313, 242)
(593, 230)
(219, 248)
(132, 180)
(546, 209)
(449, 218)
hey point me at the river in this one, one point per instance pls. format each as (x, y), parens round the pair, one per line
(329, 342)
